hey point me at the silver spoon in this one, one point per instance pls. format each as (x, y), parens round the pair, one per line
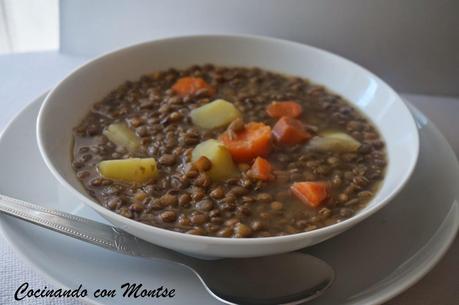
(290, 278)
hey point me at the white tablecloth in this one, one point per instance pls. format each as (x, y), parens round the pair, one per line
(23, 77)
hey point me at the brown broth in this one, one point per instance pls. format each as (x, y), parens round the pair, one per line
(239, 207)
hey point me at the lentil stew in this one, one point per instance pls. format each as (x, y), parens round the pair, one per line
(228, 152)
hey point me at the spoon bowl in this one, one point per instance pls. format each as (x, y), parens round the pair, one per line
(291, 278)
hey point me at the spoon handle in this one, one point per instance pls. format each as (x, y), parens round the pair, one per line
(84, 229)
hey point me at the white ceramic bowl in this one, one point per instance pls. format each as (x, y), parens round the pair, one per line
(72, 98)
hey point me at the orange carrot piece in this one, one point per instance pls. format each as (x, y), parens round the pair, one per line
(253, 141)
(261, 170)
(290, 131)
(190, 85)
(284, 108)
(310, 192)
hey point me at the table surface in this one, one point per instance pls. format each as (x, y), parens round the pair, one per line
(23, 77)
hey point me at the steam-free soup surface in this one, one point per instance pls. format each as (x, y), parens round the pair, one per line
(228, 152)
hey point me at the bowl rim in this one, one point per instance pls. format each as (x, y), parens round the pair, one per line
(327, 230)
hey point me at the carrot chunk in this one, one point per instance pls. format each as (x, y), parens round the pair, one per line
(290, 131)
(312, 193)
(253, 141)
(289, 109)
(261, 170)
(190, 85)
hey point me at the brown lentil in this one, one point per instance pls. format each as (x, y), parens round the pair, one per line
(277, 205)
(199, 218)
(203, 164)
(205, 205)
(217, 193)
(242, 230)
(184, 200)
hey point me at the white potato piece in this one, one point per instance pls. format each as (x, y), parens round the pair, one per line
(218, 113)
(129, 170)
(334, 141)
(120, 134)
(223, 166)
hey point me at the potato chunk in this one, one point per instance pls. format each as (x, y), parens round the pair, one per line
(129, 170)
(120, 134)
(222, 164)
(218, 113)
(334, 141)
